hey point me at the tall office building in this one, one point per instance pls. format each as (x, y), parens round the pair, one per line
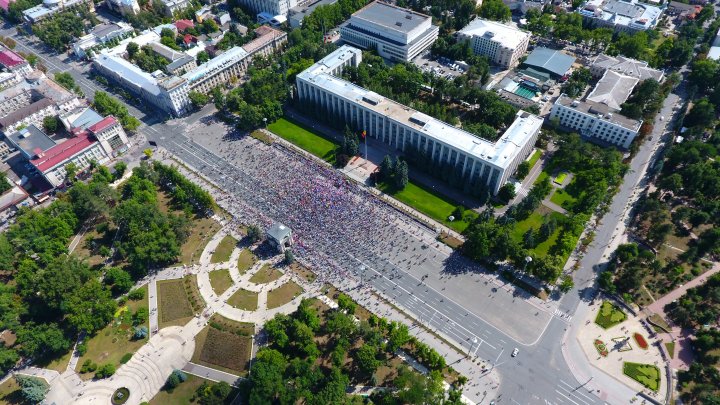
(395, 33)
(502, 44)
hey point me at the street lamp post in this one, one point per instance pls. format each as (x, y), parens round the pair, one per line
(362, 270)
(474, 342)
(265, 122)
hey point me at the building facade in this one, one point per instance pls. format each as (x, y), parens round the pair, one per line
(595, 121)
(502, 44)
(476, 161)
(274, 7)
(395, 33)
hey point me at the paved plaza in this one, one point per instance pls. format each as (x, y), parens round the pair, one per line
(621, 347)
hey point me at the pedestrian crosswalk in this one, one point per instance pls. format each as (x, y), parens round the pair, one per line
(562, 315)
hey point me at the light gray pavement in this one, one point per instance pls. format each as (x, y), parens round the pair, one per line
(211, 374)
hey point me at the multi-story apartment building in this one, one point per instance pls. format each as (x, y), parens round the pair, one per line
(31, 100)
(502, 44)
(395, 33)
(479, 162)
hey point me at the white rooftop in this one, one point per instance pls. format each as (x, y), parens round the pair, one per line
(506, 35)
(613, 89)
(500, 153)
(231, 56)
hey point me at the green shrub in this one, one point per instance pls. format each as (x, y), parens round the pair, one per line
(125, 358)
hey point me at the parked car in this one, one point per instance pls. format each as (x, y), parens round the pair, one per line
(515, 352)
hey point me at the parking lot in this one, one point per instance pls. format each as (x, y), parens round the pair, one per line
(425, 62)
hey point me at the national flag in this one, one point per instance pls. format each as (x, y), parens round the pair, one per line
(364, 134)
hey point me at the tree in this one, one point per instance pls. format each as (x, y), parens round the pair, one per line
(566, 283)
(105, 371)
(506, 193)
(33, 388)
(254, 233)
(140, 332)
(136, 294)
(701, 115)
(289, 257)
(118, 279)
(494, 10)
(175, 378)
(346, 303)
(400, 177)
(148, 153)
(90, 308)
(266, 377)
(140, 316)
(132, 49)
(71, 170)
(8, 359)
(120, 168)
(523, 170)
(398, 336)
(202, 57)
(366, 359)
(198, 99)
(42, 339)
(387, 168)
(703, 74)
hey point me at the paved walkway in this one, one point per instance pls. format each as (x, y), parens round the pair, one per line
(211, 374)
(683, 354)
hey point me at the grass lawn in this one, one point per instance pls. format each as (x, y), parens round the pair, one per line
(266, 274)
(609, 315)
(560, 178)
(173, 304)
(542, 176)
(223, 250)
(305, 138)
(535, 157)
(182, 395)
(244, 299)
(220, 280)
(646, 374)
(561, 197)
(10, 393)
(225, 349)
(283, 294)
(193, 293)
(246, 260)
(535, 220)
(83, 249)
(431, 204)
(670, 346)
(111, 343)
(303, 272)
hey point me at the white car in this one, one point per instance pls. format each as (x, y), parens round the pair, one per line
(515, 352)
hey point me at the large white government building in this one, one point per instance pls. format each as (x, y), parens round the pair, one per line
(479, 161)
(502, 44)
(395, 33)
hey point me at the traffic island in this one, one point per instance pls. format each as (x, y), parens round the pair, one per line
(120, 396)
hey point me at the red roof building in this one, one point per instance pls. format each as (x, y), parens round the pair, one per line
(182, 25)
(63, 152)
(102, 124)
(189, 40)
(10, 59)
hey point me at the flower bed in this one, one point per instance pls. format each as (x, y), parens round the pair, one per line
(640, 340)
(600, 347)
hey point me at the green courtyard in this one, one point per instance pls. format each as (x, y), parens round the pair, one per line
(431, 204)
(304, 138)
(646, 374)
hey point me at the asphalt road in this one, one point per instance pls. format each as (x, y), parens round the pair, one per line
(539, 375)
